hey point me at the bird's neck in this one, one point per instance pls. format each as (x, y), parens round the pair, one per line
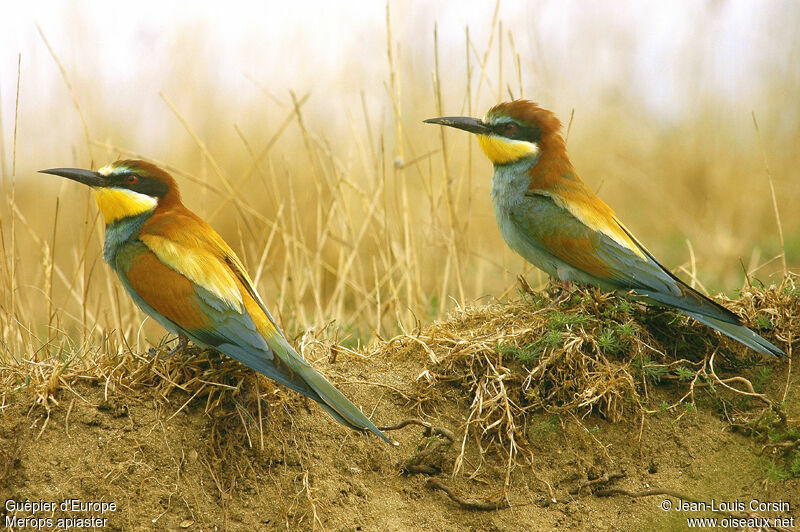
(510, 182)
(553, 172)
(121, 231)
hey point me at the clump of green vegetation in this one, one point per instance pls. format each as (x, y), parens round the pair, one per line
(608, 341)
(561, 321)
(598, 353)
(545, 429)
(762, 377)
(532, 352)
(684, 374)
(616, 337)
(782, 469)
(645, 367)
(763, 322)
(620, 308)
(785, 440)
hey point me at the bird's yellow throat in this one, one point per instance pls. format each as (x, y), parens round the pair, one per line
(116, 203)
(500, 150)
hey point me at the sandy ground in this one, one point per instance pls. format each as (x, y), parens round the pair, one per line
(173, 459)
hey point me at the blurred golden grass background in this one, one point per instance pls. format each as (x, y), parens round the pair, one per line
(349, 213)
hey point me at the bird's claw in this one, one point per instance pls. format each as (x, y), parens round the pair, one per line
(564, 292)
(183, 341)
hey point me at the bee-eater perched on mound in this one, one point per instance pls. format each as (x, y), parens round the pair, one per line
(551, 218)
(182, 273)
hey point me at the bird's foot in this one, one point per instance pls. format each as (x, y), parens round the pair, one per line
(524, 286)
(183, 341)
(564, 292)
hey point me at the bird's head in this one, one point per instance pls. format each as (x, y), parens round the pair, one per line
(510, 131)
(124, 188)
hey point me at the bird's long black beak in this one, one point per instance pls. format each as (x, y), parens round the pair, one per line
(473, 125)
(87, 177)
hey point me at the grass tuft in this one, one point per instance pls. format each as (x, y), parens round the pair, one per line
(512, 362)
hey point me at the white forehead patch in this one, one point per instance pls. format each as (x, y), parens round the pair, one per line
(493, 121)
(109, 169)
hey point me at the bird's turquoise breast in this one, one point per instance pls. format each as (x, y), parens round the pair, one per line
(510, 183)
(509, 187)
(120, 233)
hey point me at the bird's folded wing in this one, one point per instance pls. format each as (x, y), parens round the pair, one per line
(622, 263)
(190, 246)
(200, 264)
(248, 335)
(190, 306)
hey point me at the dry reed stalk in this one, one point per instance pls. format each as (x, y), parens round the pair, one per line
(772, 193)
(72, 93)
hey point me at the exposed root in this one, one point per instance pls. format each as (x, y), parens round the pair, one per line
(430, 430)
(604, 479)
(429, 457)
(315, 520)
(468, 503)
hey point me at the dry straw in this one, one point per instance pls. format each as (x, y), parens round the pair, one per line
(595, 353)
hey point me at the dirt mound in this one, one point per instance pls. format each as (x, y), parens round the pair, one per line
(514, 416)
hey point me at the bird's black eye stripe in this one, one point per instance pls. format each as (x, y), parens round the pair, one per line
(145, 185)
(126, 180)
(516, 131)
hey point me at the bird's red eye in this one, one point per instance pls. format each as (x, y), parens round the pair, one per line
(132, 179)
(510, 127)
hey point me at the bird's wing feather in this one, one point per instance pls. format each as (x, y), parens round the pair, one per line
(190, 307)
(198, 263)
(188, 244)
(590, 210)
(212, 282)
(621, 263)
(209, 321)
(158, 289)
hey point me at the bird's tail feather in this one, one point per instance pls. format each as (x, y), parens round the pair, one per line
(740, 333)
(692, 303)
(289, 369)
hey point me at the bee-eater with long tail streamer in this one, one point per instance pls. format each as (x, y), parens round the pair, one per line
(182, 273)
(551, 218)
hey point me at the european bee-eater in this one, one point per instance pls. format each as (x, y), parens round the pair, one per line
(182, 273)
(551, 218)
